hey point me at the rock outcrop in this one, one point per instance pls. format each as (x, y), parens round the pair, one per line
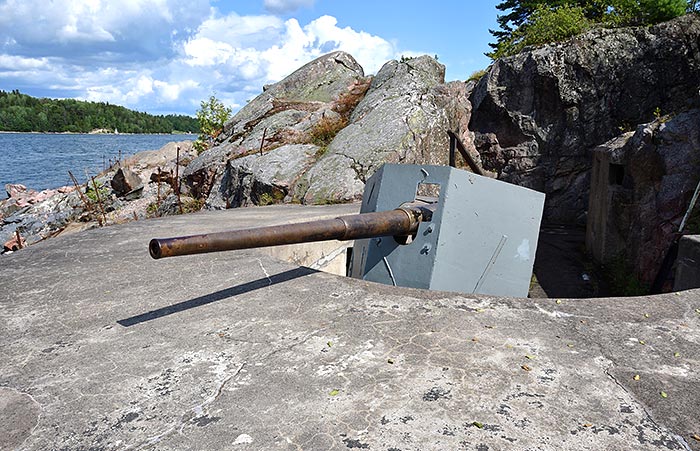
(327, 129)
(324, 90)
(404, 118)
(537, 115)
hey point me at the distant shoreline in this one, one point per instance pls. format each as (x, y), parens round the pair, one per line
(88, 133)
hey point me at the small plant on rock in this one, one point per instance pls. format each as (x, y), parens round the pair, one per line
(93, 196)
(191, 205)
(326, 129)
(476, 75)
(212, 116)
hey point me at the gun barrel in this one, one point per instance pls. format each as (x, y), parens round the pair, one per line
(402, 221)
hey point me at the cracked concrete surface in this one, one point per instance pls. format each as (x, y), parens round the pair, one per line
(103, 348)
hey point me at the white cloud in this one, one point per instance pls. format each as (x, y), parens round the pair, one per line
(244, 47)
(205, 52)
(15, 63)
(285, 6)
(164, 55)
(96, 29)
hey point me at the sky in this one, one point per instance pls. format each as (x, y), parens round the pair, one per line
(166, 56)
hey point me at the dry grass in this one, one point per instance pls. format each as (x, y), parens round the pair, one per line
(326, 129)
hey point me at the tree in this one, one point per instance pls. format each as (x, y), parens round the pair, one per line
(530, 22)
(212, 116)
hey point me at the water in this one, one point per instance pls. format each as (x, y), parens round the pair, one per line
(42, 161)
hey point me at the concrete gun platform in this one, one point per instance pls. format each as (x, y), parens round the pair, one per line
(103, 348)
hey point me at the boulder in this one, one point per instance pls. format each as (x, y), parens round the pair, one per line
(125, 181)
(163, 158)
(537, 115)
(285, 113)
(641, 189)
(403, 118)
(270, 178)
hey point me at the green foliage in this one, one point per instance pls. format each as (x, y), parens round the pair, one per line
(22, 113)
(212, 116)
(190, 205)
(544, 25)
(535, 22)
(643, 12)
(152, 210)
(92, 195)
(554, 25)
(266, 199)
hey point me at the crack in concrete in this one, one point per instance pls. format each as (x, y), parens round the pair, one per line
(680, 440)
(267, 275)
(38, 417)
(193, 413)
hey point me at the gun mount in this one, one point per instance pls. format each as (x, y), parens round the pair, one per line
(453, 230)
(401, 223)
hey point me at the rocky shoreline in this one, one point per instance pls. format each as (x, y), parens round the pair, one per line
(138, 187)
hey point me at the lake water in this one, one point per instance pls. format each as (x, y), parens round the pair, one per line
(41, 161)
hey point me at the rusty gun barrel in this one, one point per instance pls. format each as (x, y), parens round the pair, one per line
(402, 221)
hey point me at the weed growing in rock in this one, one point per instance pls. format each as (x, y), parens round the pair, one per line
(325, 130)
(93, 196)
(152, 210)
(476, 75)
(190, 205)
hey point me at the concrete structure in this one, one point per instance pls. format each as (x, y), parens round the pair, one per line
(688, 263)
(606, 202)
(103, 348)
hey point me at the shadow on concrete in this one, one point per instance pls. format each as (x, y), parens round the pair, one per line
(217, 296)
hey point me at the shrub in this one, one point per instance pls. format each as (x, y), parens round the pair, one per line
(644, 12)
(544, 26)
(212, 115)
(191, 205)
(554, 25)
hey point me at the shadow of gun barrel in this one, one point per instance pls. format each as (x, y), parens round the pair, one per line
(400, 222)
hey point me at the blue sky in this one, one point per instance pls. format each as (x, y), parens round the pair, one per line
(165, 56)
